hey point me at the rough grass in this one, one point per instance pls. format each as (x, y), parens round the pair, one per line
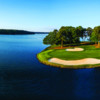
(43, 56)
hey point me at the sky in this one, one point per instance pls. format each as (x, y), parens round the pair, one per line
(47, 15)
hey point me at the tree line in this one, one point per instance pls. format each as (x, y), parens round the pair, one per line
(14, 32)
(70, 35)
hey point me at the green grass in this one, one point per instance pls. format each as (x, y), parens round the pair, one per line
(43, 56)
(89, 52)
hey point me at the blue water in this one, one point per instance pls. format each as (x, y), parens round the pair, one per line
(22, 77)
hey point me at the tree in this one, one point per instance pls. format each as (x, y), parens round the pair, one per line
(67, 35)
(93, 37)
(71, 35)
(80, 31)
(96, 33)
(75, 37)
(89, 31)
(51, 38)
(61, 35)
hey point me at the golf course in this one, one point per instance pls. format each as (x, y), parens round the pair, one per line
(88, 58)
(67, 51)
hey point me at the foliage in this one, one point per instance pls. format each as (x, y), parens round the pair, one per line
(93, 37)
(89, 31)
(65, 35)
(50, 38)
(69, 34)
(96, 35)
(80, 31)
(96, 30)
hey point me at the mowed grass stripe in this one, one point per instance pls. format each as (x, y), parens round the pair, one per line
(89, 52)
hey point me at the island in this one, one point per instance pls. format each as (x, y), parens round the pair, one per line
(66, 49)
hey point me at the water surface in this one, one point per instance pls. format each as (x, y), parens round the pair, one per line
(22, 77)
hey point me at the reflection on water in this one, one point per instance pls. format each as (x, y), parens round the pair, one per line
(22, 77)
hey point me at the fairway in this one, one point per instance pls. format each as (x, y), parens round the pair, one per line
(89, 52)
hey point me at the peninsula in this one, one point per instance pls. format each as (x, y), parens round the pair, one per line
(67, 51)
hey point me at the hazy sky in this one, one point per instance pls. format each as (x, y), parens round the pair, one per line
(46, 15)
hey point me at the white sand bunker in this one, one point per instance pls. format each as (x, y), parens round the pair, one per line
(75, 49)
(75, 62)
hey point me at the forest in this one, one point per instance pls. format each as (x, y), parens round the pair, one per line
(72, 35)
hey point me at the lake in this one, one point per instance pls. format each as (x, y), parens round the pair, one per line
(23, 77)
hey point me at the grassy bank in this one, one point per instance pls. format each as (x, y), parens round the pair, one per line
(89, 52)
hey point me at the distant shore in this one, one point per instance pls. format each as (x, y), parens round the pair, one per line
(18, 32)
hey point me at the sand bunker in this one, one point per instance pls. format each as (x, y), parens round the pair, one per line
(75, 49)
(75, 62)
